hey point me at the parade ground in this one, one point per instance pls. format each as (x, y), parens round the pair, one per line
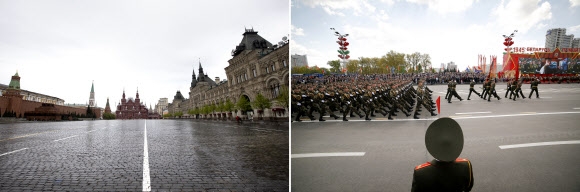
(523, 145)
(142, 155)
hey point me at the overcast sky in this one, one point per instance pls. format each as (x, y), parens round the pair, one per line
(60, 47)
(447, 30)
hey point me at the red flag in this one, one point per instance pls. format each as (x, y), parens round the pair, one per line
(438, 105)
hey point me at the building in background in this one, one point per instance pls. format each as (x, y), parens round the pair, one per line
(107, 107)
(30, 95)
(131, 109)
(256, 67)
(557, 38)
(299, 60)
(451, 66)
(15, 102)
(576, 43)
(92, 97)
(161, 105)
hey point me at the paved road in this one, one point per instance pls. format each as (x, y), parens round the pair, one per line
(110, 156)
(393, 148)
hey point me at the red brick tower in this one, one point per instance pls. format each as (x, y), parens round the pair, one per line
(13, 95)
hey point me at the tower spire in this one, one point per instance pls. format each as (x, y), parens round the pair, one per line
(201, 74)
(92, 97)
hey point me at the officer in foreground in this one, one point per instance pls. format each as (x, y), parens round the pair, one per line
(447, 172)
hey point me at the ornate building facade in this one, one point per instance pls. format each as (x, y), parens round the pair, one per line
(131, 109)
(256, 67)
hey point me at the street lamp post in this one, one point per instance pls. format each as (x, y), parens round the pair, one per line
(342, 49)
(509, 42)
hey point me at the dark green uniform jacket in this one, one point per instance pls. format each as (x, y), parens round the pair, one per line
(443, 176)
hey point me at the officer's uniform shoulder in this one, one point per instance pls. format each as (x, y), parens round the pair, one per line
(427, 164)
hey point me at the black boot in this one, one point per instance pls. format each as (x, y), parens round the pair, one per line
(344, 119)
(415, 117)
(321, 119)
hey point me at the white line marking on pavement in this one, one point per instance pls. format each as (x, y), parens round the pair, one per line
(515, 115)
(454, 117)
(457, 116)
(146, 177)
(576, 108)
(91, 131)
(539, 144)
(472, 113)
(66, 138)
(343, 154)
(12, 152)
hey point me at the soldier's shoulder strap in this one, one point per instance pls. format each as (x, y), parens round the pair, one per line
(422, 166)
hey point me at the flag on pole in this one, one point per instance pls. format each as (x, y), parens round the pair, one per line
(438, 101)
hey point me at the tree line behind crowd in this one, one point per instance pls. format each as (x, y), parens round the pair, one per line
(392, 62)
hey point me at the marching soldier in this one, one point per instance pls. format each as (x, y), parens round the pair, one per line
(471, 89)
(509, 89)
(453, 92)
(346, 101)
(492, 91)
(449, 85)
(534, 87)
(518, 90)
(514, 86)
(486, 87)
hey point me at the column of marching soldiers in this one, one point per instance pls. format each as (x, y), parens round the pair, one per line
(384, 95)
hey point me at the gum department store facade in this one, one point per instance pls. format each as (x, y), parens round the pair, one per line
(257, 66)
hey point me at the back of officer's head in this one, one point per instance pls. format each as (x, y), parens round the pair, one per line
(444, 139)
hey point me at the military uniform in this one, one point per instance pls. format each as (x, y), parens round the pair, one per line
(486, 87)
(443, 176)
(492, 91)
(453, 92)
(534, 87)
(444, 141)
(518, 90)
(509, 89)
(471, 89)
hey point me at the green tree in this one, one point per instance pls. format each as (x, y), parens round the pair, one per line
(229, 106)
(261, 103)
(178, 114)
(334, 66)
(168, 115)
(413, 60)
(352, 66)
(221, 107)
(243, 105)
(425, 61)
(283, 98)
(108, 116)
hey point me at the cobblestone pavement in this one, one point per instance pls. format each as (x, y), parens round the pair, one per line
(183, 155)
